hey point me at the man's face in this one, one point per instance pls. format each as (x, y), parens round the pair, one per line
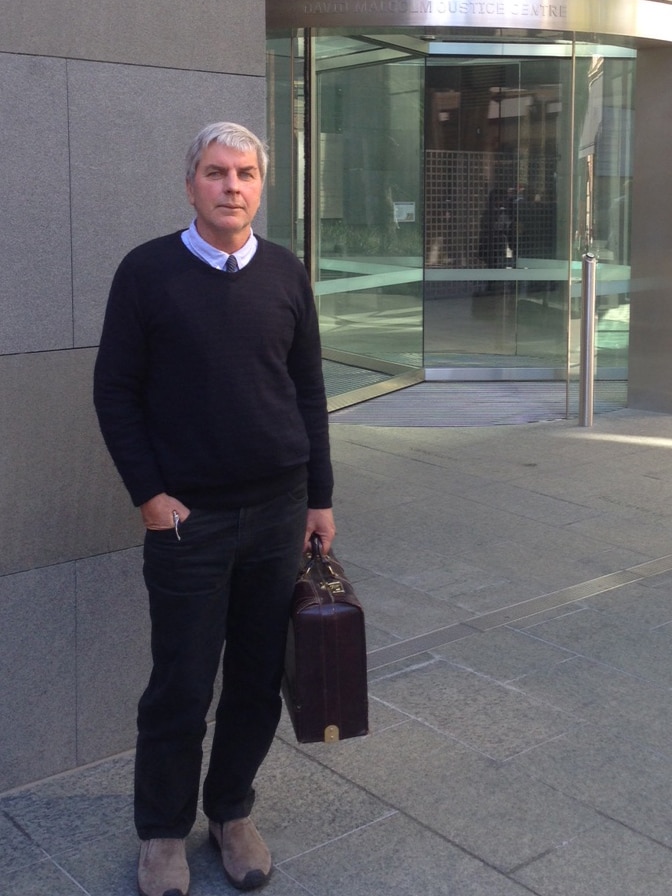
(226, 193)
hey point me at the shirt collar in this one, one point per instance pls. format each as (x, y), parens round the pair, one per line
(215, 257)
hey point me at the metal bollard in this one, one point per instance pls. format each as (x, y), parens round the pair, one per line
(587, 358)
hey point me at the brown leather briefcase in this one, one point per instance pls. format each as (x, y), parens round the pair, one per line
(325, 685)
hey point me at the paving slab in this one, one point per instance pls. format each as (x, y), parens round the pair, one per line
(503, 655)
(487, 808)
(615, 642)
(400, 856)
(625, 781)
(609, 860)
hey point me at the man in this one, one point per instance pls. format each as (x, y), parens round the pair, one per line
(210, 397)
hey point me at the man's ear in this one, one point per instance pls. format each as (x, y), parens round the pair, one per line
(190, 191)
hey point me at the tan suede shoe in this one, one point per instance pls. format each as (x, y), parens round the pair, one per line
(163, 869)
(246, 859)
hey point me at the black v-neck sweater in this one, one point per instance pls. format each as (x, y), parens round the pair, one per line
(208, 385)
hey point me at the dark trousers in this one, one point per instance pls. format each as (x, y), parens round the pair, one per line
(226, 584)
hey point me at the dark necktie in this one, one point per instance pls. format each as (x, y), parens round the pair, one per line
(231, 264)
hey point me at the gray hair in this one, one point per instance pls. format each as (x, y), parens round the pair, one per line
(226, 133)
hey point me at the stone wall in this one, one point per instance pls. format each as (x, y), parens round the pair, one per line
(98, 103)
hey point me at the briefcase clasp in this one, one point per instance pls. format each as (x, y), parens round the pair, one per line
(331, 734)
(335, 587)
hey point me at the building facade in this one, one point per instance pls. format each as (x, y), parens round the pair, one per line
(98, 103)
(449, 164)
(441, 165)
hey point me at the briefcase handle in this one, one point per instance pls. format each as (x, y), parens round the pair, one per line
(317, 554)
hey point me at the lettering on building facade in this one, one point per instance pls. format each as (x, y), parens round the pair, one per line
(636, 18)
(473, 9)
(440, 7)
(648, 19)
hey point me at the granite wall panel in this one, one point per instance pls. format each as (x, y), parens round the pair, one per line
(211, 35)
(98, 103)
(129, 131)
(38, 667)
(61, 496)
(35, 273)
(650, 359)
(113, 652)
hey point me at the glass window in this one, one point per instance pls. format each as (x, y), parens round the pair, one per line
(453, 189)
(497, 180)
(602, 204)
(369, 232)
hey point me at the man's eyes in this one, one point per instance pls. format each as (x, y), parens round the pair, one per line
(216, 174)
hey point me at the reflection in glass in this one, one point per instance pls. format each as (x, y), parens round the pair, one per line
(603, 182)
(454, 189)
(511, 205)
(370, 207)
(498, 198)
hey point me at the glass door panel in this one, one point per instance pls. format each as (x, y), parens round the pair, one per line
(369, 111)
(453, 194)
(284, 64)
(498, 201)
(604, 119)
(528, 166)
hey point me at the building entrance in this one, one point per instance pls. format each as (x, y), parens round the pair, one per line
(527, 166)
(445, 193)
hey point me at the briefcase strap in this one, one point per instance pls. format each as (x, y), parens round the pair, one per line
(317, 555)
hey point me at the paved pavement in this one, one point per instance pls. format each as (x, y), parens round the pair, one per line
(517, 582)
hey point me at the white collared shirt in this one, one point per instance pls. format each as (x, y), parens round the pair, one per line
(215, 257)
